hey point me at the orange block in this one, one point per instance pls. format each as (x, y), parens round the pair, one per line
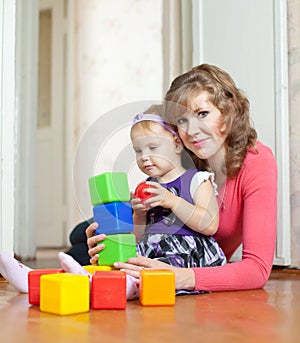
(157, 287)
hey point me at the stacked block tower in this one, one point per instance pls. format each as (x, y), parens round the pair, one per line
(110, 197)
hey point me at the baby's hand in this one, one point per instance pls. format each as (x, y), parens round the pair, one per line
(138, 206)
(160, 196)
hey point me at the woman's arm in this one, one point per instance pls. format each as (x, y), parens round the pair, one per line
(184, 277)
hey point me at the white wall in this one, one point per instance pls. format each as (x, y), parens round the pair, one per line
(118, 61)
(119, 55)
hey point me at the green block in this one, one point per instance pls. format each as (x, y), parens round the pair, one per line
(118, 248)
(109, 187)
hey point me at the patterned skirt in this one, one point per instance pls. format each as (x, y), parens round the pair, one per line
(182, 251)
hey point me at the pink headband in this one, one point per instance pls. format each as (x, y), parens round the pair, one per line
(153, 117)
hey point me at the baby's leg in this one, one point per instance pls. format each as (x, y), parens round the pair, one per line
(132, 291)
(14, 272)
(69, 265)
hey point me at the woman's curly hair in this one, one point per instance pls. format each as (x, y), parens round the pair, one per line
(223, 94)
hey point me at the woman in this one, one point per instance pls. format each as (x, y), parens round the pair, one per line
(213, 122)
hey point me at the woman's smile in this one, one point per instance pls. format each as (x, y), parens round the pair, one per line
(199, 143)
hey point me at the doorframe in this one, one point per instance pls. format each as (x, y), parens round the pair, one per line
(7, 123)
(25, 124)
(283, 247)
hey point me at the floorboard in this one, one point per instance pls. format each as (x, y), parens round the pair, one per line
(259, 316)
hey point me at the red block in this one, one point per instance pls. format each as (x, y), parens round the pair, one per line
(34, 283)
(108, 290)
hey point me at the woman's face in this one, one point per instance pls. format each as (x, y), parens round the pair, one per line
(199, 128)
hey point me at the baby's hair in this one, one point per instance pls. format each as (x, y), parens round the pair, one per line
(149, 125)
(151, 117)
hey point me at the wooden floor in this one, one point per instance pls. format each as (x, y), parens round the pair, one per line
(267, 315)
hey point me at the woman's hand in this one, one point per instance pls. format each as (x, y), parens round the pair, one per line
(92, 241)
(184, 277)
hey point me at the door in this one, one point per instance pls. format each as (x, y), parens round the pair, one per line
(50, 193)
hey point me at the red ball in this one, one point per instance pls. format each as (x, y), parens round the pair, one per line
(140, 191)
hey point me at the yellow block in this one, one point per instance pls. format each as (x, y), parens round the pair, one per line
(92, 269)
(64, 293)
(157, 287)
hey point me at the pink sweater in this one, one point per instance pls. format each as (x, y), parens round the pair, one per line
(248, 215)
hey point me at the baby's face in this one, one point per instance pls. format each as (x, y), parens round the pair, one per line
(155, 151)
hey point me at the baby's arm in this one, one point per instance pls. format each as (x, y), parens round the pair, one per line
(202, 216)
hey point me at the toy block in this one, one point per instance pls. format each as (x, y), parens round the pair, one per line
(34, 283)
(157, 287)
(114, 217)
(93, 269)
(109, 187)
(108, 291)
(118, 248)
(65, 293)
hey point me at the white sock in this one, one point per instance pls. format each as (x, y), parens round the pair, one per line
(69, 265)
(132, 291)
(15, 272)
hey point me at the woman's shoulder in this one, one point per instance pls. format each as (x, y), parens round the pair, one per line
(259, 161)
(259, 153)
